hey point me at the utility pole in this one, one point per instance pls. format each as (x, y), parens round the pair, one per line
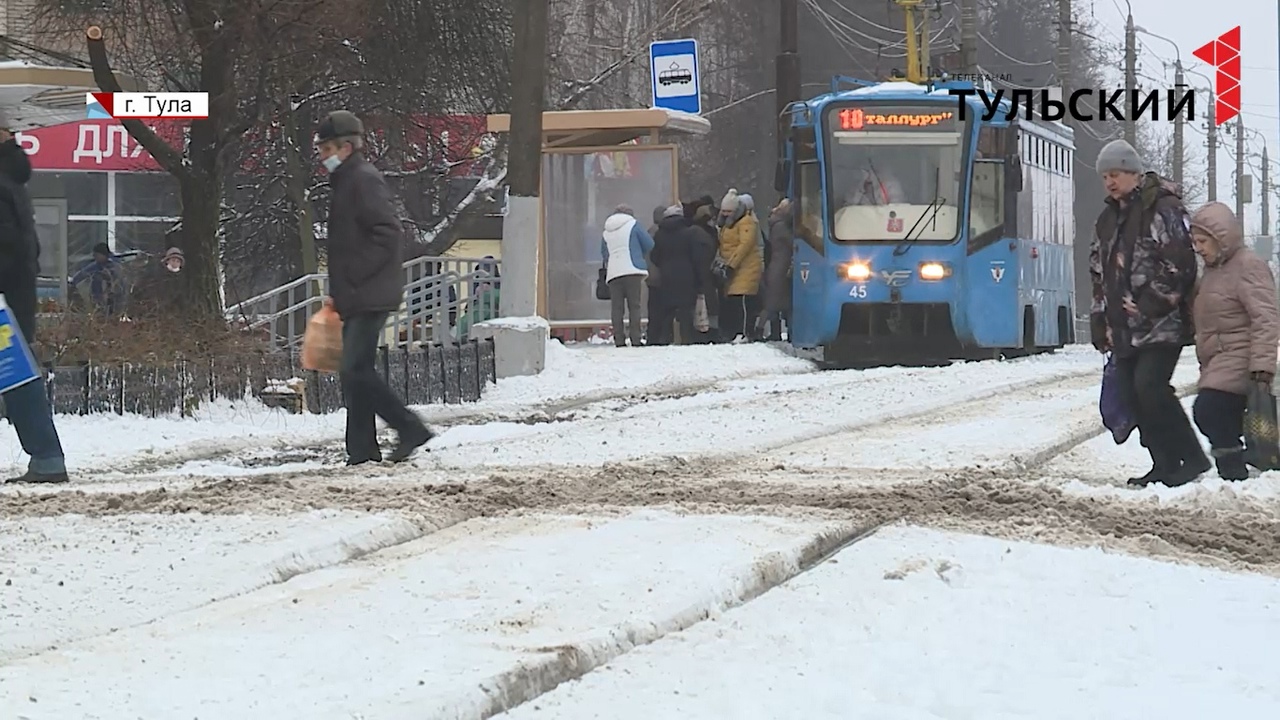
(1266, 193)
(1240, 184)
(1179, 82)
(1063, 60)
(969, 36)
(1212, 134)
(787, 81)
(522, 224)
(1130, 80)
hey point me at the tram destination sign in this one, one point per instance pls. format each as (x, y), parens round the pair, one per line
(871, 119)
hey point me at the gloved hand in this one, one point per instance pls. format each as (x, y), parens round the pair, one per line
(1098, 334)
(1264, 378)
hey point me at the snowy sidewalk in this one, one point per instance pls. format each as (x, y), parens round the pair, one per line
(98, 444)
(72, 577)
(912, 624)
(460, 624)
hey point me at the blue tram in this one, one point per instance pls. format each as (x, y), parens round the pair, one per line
(921, 236)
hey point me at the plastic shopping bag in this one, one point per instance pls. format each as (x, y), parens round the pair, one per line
(1117, 416)
(322, 343)
(17, 365)
(701, 320)
(1261, 435)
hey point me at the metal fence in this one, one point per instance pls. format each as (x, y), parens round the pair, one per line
(424, 375)
(443, 297)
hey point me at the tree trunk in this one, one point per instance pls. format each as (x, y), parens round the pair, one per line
(297, 187)
(201, 210)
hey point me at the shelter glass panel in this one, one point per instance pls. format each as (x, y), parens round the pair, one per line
(579, 191)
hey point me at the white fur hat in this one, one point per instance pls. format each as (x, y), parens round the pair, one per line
(730, 201)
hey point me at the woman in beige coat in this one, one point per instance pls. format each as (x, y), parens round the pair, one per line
(1237, 327)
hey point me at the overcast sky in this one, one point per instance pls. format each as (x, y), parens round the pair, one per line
(1190, 24)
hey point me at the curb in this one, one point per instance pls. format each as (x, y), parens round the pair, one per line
(520, 685)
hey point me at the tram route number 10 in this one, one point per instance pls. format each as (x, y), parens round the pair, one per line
(858, 291)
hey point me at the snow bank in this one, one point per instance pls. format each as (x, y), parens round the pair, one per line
(913, 623)
(582, 373)
(486, 615)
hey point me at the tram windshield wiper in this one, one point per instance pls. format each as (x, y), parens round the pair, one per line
(926, 216)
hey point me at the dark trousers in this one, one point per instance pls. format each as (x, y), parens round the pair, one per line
(27, 407)
(662, 320)
(1166, 432)
(366, 395)
(736, 318)
(624, 299)
(1220, 417)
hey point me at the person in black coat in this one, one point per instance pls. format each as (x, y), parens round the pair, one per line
(366, 284)
(675, 254)
(702, 214)
(27, 405)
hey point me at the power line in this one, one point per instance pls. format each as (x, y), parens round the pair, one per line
(1011, 58)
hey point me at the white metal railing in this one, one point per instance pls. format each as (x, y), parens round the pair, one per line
(443, 297)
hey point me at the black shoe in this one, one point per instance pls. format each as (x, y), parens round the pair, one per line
(409, 443)
(352, 462)
(35, 478)
(1162, 466)
(1188, 471)
(1231, 465)
(1153, 476)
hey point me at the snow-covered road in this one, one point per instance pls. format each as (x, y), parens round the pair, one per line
(623, 498)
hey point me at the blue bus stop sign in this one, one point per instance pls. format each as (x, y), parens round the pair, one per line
(674, 67)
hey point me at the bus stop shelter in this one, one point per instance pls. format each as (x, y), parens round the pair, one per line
(593, 161)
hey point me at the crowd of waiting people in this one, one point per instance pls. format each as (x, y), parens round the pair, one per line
(715, 272)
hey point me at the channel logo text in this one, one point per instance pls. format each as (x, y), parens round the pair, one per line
(1048, 104)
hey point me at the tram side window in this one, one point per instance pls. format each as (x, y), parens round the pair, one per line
(809, 225)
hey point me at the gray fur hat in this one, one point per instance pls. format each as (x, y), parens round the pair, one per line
(1119, 155)
(674, 211)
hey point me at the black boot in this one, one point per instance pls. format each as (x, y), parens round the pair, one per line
(410, 440)
(1192, 462)
(35, 478)
(1231, 465)
(1162, 466)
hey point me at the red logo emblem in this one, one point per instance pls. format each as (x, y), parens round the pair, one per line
(894, 225)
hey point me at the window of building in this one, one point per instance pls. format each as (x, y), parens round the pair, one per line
(147, 195)
(128, 211)
(82, 235)
(85, 192)
(146, 236)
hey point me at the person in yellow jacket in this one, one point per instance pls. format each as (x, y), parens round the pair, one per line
(741, 255)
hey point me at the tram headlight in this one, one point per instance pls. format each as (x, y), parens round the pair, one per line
(857, 272)
(934, 271)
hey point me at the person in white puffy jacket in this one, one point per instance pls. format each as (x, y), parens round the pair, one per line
(624, 247)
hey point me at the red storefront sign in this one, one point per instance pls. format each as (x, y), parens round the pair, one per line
(103, 145)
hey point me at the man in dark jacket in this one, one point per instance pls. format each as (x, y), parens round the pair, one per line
(1143, 270)
(27, 406)
(366, 284)
(103, 274)
(674, 254)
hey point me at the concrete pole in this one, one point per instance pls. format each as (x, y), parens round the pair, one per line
(969, 36)
(522, 224)
(1240, 151)
(1212, 135)
(1130, 79)
(1179, 124)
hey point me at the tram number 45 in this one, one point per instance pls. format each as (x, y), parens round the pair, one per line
(858, 291)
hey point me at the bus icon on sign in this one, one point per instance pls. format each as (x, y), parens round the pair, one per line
(675, 75)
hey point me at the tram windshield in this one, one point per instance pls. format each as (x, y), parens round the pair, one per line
(891, 167)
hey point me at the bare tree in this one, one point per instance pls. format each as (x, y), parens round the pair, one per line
(231, 49)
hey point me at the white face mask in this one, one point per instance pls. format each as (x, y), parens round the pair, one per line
(332, 162)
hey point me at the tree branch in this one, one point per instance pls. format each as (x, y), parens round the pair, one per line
(168, 158)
